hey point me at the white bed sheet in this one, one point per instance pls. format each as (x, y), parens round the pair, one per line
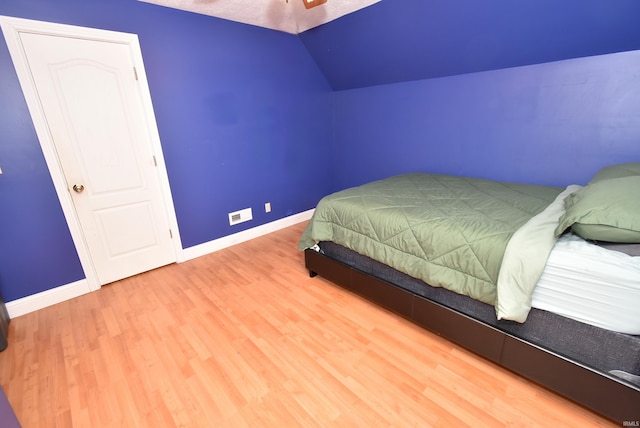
(592, 285)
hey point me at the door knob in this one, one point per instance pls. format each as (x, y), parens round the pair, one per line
(78, 188)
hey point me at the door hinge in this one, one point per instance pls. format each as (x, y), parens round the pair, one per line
(135, 73)
(155, 162)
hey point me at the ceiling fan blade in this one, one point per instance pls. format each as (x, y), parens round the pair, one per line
(313, 3)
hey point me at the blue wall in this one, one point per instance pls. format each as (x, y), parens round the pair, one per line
(244, 117)
(403, 40)
(553, 124)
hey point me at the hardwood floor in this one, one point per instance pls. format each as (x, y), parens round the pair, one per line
(244, 338)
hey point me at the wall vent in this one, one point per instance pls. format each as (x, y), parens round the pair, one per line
(240, 216)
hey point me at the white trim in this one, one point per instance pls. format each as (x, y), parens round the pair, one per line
(245, 235)
(156, 144)
(60, 294)
(12, 27)
(46, 298)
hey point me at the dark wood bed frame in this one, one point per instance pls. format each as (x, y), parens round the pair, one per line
(600, 392)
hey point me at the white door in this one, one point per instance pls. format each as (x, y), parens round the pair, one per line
(92, 104)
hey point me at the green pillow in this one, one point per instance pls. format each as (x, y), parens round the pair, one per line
(617, 171)
(607, 210)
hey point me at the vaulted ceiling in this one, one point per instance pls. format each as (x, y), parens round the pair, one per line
(400, 40)
(392, 41)
(290, 16)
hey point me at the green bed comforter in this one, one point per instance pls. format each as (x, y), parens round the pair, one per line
(448, 231)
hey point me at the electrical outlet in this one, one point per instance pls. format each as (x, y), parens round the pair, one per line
(267, 207)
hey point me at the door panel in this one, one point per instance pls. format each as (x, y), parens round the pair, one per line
(105, 147)
(92, 103)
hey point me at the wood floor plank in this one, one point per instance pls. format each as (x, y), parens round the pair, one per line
(245, 338)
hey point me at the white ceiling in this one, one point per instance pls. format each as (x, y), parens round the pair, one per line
(284, 15)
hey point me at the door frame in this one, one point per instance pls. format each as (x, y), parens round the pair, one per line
(12, 27)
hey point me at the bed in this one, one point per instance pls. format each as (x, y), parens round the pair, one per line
(544, 281)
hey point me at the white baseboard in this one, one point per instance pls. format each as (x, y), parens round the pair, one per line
(245, 235)
(32, 303)
(41, 300)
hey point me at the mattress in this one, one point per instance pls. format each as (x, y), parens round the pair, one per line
(591, 284)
